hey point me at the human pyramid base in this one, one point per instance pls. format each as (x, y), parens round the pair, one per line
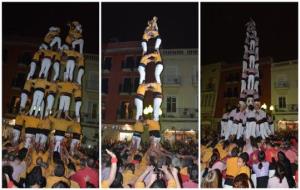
(248, 118)
(41, 123)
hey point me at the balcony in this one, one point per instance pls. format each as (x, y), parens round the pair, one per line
(181, 113)
(281, 84)
(290, 108)
(122, 116)
(171, 80)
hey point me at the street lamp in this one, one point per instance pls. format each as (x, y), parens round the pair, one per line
(264, 106)
(271, 108)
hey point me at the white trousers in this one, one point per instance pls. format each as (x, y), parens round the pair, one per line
(79, 42)
(142, 73)
(46, 63)
(234, 129)
(56, 40)
(24, 98)
(250, 82)
(16, 136)
(40, 139)
(244, 65)
(50, 103)
(256, 83)
(228, 131)
(250, 129)
(56, 71)
(272, 129)
(158, 69)
(29, 140)
(77, 109)
(64, 103)
(156, 108)
(251, 61)
(36, 102)
(139, 108)
(32, 70)
(240, 131)
(79, 75)
(58, 140)
(157, 43)
(144, 46)
(257, 130)
(243, 86)
(69, 70)
(223, 128)
(136, 141)
(73, 145)
(43, 46)
(252, 44)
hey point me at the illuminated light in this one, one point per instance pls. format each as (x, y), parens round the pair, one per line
(264, 106)
(12, 122)
(146, 111)
(271, 108)
(160, 112)
(150, 109)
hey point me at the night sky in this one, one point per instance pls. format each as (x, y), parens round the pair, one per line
(223, 30)
(177, 22)
(34, 20)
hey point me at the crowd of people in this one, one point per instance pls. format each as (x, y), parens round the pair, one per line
(163, 166)
(253, 163)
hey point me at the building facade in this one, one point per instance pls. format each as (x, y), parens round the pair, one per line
(120, 80)
(284, 85)
(17, 55)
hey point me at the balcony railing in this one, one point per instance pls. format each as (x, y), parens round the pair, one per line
(288, 108)
(191, 113)
(281, 84)
(171, 80)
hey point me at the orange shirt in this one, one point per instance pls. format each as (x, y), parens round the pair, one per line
(153, 125)
(232, 166)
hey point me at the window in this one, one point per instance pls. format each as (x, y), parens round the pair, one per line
(126, 86)
(93, 82)
(93, 111)
(171, 104)
(129, 63)
(107, 63)
(19, 80)
(25, 58)
(282, 102)
(104, 85)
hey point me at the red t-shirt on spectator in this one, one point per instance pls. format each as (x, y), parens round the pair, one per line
(271, 152)
(81, 174)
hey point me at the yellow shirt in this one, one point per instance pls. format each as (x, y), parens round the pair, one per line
(104, 184)
(66, 87)
(128, 176)
(60, 124)
(36, 56)
(146, 59)
(155, 87)
(77, 92)
(51, 180)
(138, 126)
(76, 128)
(45, 124)
(223, 153)
(232, 166)
(142, 89)
(72, 53)
(245, 169)
(206, 155)
(19, 120)
(50, 36)
(57, 56)
(81, 61)
(40, 83)
(74, 184)
(31, 122)
(153, 125)
(28, 85)
(52, 87)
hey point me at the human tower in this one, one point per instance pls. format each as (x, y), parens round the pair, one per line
(149, 57)
(42, 120)
(248, 119)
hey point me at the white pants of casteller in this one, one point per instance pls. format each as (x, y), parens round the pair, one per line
(251, 61)
(256, 83)
(234, 129)
(46, 63)
(58, 140)
(64, 103)
(250, 129)
(139, 108)
(257, 130)
(36, 102)
(16, 135)
(79, 42)
(158, 69)
(50, 102)
(142, 73)
(69, 70)
(272, 129)
(77, 109)
(157, 43)
(240, 131)
(136, 141)
(244, 65)
(73, 145)
(29, 140)
(42, 108)
(32, 70)
(250, 82)
(56, 71)
(24, 98)
(144, 46)
(79, 75)
(243, 86)
(223, 128)
(252, 44)
(56, 40)
(156, 108)
(264, 128)
(40, 139)
(43, 46)
(228, 131)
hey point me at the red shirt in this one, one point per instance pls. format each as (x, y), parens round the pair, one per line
(253, 158)
(271, 152)
(81, 174)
